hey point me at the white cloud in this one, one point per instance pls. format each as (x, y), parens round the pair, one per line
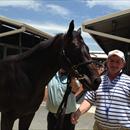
(53, 29)
(27, 4)
(50, 28)
(115, 4)
(35, 5)
(56, 9)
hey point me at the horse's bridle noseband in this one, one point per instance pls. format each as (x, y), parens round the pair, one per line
(74, 67)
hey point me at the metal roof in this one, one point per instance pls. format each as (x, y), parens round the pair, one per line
(110, 31)
(20, 27)
(16, 37)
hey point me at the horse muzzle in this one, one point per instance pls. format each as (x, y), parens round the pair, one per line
(90, 84)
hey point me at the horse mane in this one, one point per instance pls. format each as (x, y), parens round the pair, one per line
(43, 45)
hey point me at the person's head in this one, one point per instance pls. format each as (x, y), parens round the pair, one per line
(116, 61)
(100, 67)
(62, 71)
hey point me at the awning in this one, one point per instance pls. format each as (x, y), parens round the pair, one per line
(19, 27)
(16, 37)
(110, 31)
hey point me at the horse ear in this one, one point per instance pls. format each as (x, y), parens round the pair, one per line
(71, 29)
(79, 30)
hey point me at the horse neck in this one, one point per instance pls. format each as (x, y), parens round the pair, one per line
(42, 63)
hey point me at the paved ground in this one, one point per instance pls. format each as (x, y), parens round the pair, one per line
(39, 122)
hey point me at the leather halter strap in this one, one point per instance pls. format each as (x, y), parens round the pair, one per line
(74, 67)
(62, 108)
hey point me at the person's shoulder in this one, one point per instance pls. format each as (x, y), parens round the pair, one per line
(103, 76)
(126, 77)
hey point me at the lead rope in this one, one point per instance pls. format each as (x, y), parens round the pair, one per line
(62, 108)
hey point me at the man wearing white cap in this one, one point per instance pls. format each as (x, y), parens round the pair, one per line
(112, 99)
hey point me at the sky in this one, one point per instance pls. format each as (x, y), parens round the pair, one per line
(54, 16)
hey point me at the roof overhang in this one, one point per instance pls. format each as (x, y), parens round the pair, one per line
(17, 37)
(111, 31)
(17, 27)
(14, 34)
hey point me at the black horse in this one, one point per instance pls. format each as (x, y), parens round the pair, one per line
(23, 77)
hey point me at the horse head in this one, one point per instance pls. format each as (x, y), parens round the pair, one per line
(76, 59)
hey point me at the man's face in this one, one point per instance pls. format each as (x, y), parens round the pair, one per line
(114, 64)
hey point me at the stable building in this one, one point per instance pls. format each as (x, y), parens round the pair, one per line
(17, 37)
(111, 32)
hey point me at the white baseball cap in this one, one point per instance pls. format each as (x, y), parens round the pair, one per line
(118, 53)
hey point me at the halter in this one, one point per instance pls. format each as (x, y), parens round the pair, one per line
(74, 67)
